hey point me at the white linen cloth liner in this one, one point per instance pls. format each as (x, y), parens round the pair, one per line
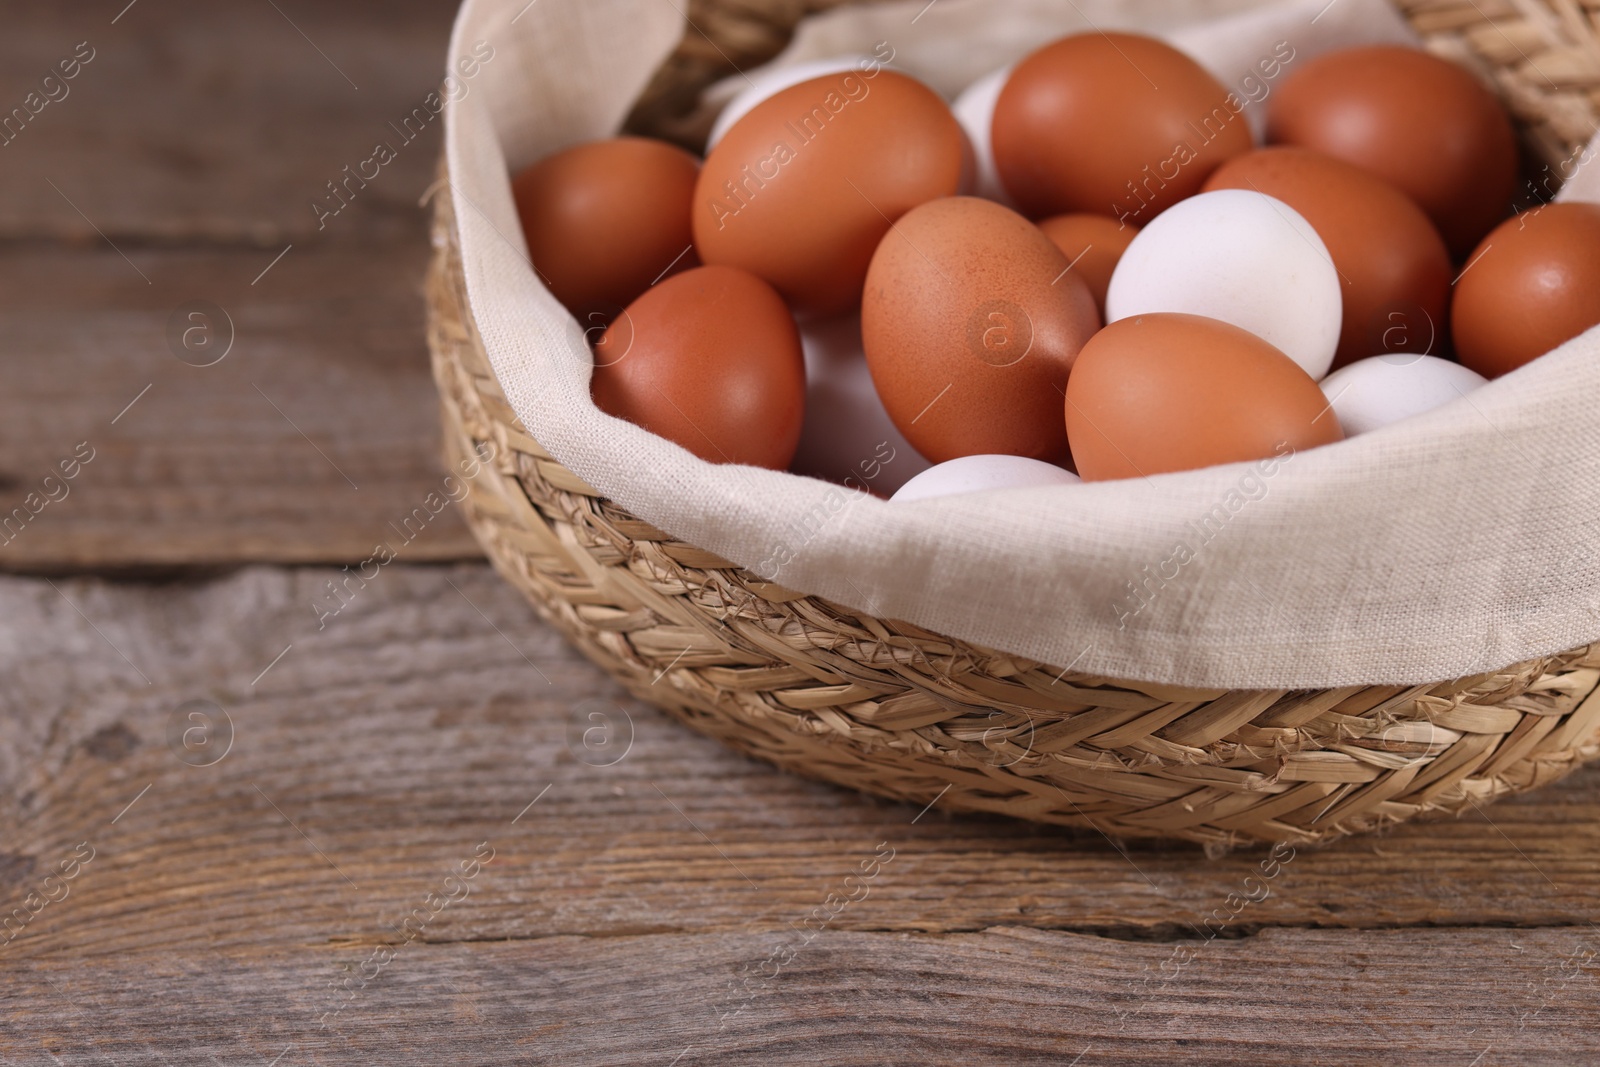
(1460, 541)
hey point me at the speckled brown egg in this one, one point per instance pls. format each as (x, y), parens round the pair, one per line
(1419, 122)
(1092, 244)
(605, 219)
(971, 321)
(801, 189)
(1112, 123)
(710, 359)
(1169, 392)
(1533, 284)
(1394, 270)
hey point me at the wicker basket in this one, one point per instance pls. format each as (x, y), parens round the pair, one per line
(899, 711)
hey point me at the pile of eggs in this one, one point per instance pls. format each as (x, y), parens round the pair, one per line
(1085, 268)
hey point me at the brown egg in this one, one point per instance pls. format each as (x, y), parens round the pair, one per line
(1533, 284)
(1170, 392)
(970, 321)
(801, 189)
(605, 219)
(1112, 123)
(1417, 121)
(1092, 244)
(709, 359)
(1394, 271)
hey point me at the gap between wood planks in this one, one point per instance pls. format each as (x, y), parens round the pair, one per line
(413, 725)
(1002, 996)
(1160, 934)
(252, 458)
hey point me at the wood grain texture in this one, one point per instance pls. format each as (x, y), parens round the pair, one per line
(203, 124)
(1006, 995)
(182, 162)
(641, 874)
(378, 751)
(317, 430)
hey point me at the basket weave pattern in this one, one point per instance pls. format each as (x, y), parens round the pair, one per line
(892, 709)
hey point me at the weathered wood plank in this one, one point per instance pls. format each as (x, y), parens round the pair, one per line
(1002, 996)
(424, 718)
(193, 123)
(317, 430)
(640, 874)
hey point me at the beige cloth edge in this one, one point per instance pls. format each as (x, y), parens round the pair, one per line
(1461, 541)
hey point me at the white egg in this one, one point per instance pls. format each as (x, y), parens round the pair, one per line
(1242, 257)
(974, 109)
(969, 474)
(1376, 392)
(763, 84)
(847, 436)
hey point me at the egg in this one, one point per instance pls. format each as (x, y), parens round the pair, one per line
(1532, 285)
(1112, 123)
(847, 436)
(1380, 390)
(1242, 257)
(971, 321)
(1171, 392)
(710, 359)
(974, 109)
(1419, 122)
(605, 219)
(972, 474)
(762, 84)
(1092, 244)
(1394, 270)
(801, 189)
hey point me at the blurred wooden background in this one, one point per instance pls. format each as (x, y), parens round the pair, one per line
(269, 812)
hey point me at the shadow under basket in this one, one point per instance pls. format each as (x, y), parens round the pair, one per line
(895, 710)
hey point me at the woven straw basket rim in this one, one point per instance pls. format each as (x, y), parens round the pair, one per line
(899, 711)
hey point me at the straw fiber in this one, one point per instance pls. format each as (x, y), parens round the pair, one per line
(891, 709)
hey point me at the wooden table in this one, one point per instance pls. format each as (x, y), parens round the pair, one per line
(424, 830)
